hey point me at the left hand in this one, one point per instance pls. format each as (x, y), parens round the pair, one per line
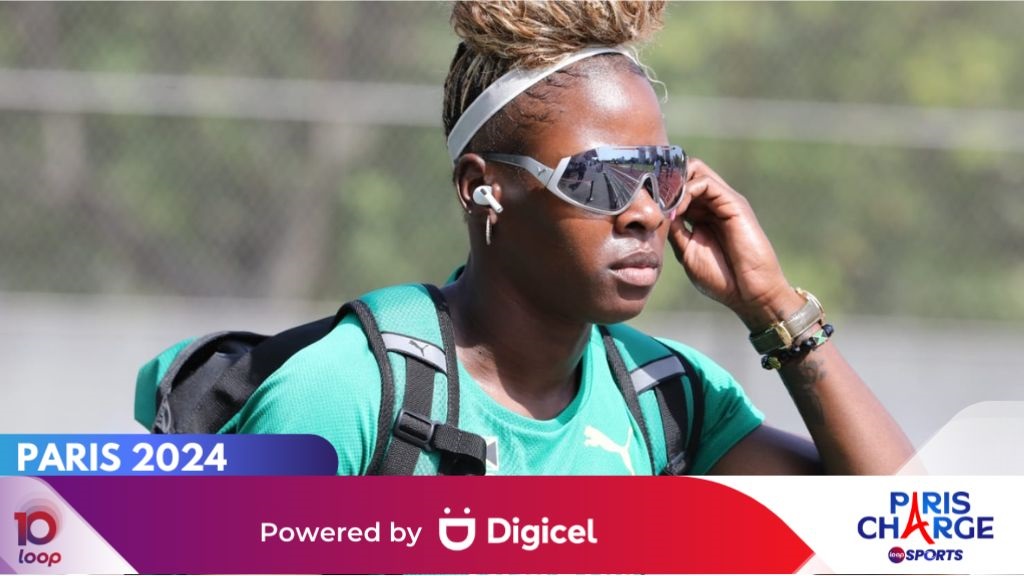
(726, 255)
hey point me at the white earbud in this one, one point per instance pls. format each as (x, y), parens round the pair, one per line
(484, 196)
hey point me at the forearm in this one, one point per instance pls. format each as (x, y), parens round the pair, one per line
(853, 432)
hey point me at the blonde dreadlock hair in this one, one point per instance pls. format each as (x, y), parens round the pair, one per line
(499, 36)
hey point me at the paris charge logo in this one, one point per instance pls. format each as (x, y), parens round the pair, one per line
(928, 525)
(38, 526)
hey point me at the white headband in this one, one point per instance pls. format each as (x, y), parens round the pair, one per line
(506, 88)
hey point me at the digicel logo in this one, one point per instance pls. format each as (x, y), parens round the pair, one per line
(459, 533)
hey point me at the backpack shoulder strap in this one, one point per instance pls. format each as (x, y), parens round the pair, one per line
(622, 378)
(387, 380)
(669, 392)
(669, 379)
(413, 323)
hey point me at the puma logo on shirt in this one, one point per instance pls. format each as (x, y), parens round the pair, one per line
(597, 439)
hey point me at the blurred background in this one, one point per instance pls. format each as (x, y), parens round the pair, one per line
(171, 169)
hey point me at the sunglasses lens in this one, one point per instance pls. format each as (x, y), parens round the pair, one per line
(671, 175)
(606, 179)
(594, 180)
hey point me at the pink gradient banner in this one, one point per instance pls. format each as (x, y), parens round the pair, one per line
(421, 525)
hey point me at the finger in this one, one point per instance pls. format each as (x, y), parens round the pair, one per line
(708, 197)
(725, 216)
(688, 194)
(706, 264)
(698, 225)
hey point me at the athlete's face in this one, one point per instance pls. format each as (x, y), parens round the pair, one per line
(578, 264)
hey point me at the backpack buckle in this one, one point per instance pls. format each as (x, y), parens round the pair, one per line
(415, 429)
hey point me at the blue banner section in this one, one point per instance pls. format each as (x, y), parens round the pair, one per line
(165, 455)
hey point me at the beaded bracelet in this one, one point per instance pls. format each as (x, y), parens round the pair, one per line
(774, 360)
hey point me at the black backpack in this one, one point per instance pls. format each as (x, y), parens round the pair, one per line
(212, 378)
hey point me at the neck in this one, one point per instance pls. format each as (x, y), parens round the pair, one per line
(524, 358)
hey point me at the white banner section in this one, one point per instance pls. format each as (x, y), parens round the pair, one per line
(965, 516)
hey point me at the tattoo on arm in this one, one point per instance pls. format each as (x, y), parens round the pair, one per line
(802, 388)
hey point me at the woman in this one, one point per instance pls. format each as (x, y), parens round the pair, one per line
(544, 92)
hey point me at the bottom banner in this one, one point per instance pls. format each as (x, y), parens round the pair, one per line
(898, 524)
(389, 525)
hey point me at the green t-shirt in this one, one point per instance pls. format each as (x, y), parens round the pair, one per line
(337, 396)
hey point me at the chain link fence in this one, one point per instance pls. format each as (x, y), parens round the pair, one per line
(169, 169)
(294, 151)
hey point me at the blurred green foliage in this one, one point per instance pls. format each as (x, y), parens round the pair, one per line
(238, 207)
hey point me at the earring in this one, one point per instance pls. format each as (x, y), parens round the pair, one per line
(487, 231)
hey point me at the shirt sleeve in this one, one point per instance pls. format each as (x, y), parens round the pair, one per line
(729, 415)
(148, 379)
(331, 389)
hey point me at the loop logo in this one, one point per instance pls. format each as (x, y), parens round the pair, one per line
(37, 525)
(935, 519)
(27, 524)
